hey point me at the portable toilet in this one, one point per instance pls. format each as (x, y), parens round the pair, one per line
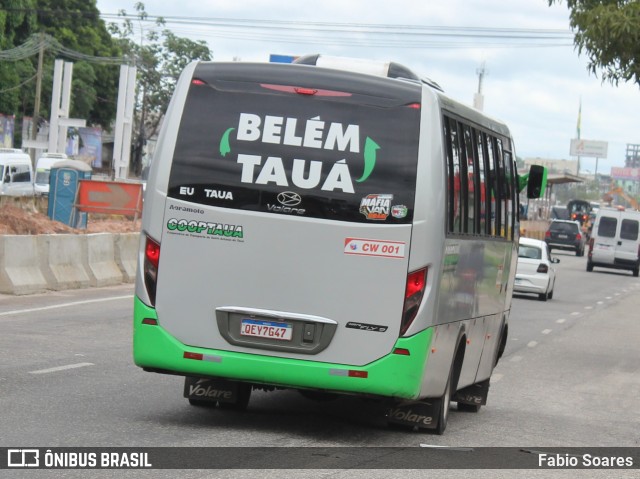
(63, 184)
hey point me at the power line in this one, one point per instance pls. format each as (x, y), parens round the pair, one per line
(354, 34)
(20, 85)
(321, 33)
(33, 44)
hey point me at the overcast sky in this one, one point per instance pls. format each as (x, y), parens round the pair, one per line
(535, 89)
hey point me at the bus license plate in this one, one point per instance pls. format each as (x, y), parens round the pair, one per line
(266, 329)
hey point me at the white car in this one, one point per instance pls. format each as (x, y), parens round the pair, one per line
(535, 272)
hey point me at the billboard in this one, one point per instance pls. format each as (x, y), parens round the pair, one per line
(85, 144)
(7, 124)
(588, 148)
(618, 173)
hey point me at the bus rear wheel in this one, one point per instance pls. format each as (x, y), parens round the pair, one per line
(443, 415)
(202, 403)
(242, 400)
(468, 407)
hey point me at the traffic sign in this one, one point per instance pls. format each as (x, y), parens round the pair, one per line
(109, 197)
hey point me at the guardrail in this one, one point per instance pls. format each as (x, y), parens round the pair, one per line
(34, 264)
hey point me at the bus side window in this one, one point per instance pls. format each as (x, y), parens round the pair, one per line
(486, 156)
(473, 194)
(455, 172)
(511, 205)
(502, 189)
(482, 193)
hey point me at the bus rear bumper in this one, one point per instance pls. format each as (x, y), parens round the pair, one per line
(393, 375)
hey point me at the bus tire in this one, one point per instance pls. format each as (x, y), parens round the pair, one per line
(241, 402)
(451, 387)
(502, 345)
(443, 414)
(202, 403)
(468, 407)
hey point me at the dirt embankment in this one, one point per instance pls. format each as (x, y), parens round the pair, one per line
(19, 221)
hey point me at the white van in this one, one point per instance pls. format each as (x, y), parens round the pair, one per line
(311, 227)
(16, 173)
(615, 240)
(43, 171)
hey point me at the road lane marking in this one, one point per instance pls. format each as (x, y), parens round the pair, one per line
(65, 305)
(600, 302)
(516, 359)
(588, 307)
(532, 344)
(560, 321)
(61, 368)
(575, 313)
(546, 331)
(608, 297)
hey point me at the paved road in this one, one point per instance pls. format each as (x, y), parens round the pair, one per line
(570, 377)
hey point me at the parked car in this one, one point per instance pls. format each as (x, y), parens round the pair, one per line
(566, 235)
(615, 241)
(43, 171)
(535, 272)
(16, 173)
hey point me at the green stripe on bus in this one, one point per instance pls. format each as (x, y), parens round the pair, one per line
(393, 375)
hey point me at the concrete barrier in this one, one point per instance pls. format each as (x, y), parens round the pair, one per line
(20, 266)
(126, 251)
(34, 264)
(100, 261)
(61, 261)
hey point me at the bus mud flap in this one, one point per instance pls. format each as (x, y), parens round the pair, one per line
(475, 395)
(420, 414)
(210, 390)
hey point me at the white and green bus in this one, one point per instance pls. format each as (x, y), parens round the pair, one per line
(312, 227)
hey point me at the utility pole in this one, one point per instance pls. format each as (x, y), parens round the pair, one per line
(478, 98)
(36, 109)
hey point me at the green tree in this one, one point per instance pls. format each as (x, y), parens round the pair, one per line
(15, 25)
(608, 31)
(160, 58)
(76, 25)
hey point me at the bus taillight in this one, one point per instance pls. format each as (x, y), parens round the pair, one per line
(151, 262)
(416, 284)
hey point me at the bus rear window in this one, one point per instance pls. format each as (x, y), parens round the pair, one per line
(341, 157)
